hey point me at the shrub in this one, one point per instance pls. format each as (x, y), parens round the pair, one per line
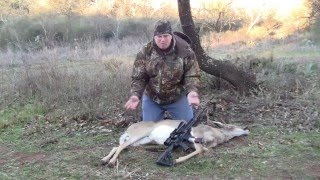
(315, 31)
(19, 33)
(28, 33)
(34, 33)
(135, 27)
(74, 89)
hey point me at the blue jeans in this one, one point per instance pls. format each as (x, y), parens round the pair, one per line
(179, 110)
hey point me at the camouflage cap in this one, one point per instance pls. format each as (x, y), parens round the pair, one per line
(162, 27)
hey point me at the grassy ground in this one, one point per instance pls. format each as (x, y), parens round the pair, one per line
(41, 150)
(283, 119)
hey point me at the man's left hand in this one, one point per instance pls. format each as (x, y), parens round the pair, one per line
(193, 99)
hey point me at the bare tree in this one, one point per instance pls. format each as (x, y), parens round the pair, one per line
(241, 80)
(315, 4)
(216, 17)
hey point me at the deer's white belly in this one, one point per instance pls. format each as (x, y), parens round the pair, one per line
(161, 133)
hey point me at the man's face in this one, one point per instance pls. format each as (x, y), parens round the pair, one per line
(163, 41)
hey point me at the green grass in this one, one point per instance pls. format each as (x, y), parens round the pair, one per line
(17, 115)
(268, 151)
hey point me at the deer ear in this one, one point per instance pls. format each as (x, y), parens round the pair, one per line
(219, 124)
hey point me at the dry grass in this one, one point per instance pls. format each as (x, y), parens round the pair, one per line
(88, 80)
(52, 99)
(288, 73)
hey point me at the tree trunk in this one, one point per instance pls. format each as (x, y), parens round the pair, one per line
(242, 81)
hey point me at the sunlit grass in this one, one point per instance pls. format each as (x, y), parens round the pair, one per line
(18, 115)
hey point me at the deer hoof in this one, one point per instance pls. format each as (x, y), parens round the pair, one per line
(111, 165)
(103, 163)
(176, 161)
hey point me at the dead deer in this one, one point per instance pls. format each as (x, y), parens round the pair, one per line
(146, 132)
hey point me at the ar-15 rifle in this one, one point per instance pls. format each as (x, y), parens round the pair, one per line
(178, 138)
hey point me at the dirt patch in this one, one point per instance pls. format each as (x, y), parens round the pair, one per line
(3, 153)
(2, 161)
(28, 158)
(236, 142)
(22, 158)
(3, 150)
(313, 170)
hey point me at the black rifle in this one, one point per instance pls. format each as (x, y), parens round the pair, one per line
(178, 138)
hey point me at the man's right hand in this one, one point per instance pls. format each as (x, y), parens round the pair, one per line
(132, 103)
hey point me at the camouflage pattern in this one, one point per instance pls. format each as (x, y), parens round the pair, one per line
(162, 27)
(165, 77)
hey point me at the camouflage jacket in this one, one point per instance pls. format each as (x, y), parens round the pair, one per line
(165, 77)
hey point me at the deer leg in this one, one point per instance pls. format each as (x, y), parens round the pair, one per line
(107, 158)
(120, 148)
(199, 149)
